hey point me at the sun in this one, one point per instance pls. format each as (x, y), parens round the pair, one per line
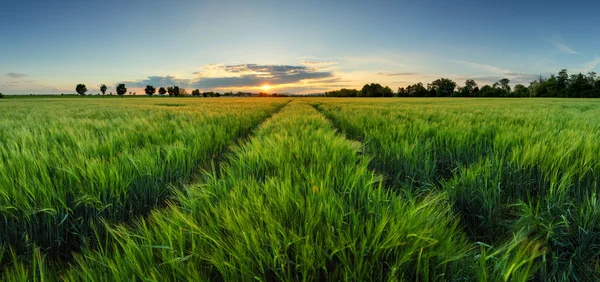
(266, 87)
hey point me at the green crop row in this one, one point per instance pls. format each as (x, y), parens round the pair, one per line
(65, 164)
(507, 166)
(297, 202)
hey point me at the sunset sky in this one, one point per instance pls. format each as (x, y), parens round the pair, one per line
(293, 46)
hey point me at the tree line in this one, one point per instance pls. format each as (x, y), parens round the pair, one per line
(560, 85)
(176, 91)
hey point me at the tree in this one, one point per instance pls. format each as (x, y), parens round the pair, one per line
(103, 88)
(416, 90)
(162, 91)
(170, 91)
(562, 82)
(81, 89)
(468, 90)
(402, 92)
(176, 91)
(488, 91)
(375, 90)
(196, 92)
(150, 90)
(1, 95)
(121, 90)
(520, 91)
(504, 85)
(442, 87)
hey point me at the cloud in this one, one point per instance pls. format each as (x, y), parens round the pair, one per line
(514, 77)
(564, 48)
(242, 75)
(15, 75)
(396, 74)
(488, 68)
(589, 66)
(318, 64)
(157, 81)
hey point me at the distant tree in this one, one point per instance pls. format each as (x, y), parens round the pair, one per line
(196, 92)
(468, 90)
(520, 91)
(81, 89)
(401, 92)
(504, 85)
(103, 88)
(486, 91)
(170, 91)
(375, 90)
(205, 94)
(1, 95)
(176, 91)
(121, 90)
(150, 90)
(579, 87)
(162, 91)
(182, 92)
(442, 87)
(416, 90)
(562, 83)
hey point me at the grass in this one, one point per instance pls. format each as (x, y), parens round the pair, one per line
(66, 163)
(507, 167)
(332, 189)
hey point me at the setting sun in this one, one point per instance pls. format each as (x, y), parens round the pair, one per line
(266, 87)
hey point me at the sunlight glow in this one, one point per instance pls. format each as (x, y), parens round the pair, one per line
(266, 87)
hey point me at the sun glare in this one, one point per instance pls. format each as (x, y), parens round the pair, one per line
(266, 87)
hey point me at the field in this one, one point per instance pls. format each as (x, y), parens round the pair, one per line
(304, 189)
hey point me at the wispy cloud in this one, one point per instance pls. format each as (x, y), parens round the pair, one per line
(396, 74)
(484, 67)
(15, 75)
(564, 48)
(589, 66)
(318, 64)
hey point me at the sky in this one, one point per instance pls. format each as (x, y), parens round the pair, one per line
(48, 47)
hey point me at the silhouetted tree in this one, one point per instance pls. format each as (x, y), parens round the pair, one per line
(401, 92)
(468, 90)
(375, 90)
(121, 89)
(176, 91)
(196, 92)
(416, 90)
(150, 90)
(81, 89)
(342, 93)
(504, 85)
(103, 88)
(442, 87)
(1, 95)
(170, 90)
(520, 91)
(162, 91)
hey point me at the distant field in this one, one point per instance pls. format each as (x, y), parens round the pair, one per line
(324, 189)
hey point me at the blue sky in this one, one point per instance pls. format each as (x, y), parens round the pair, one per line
(298, 47)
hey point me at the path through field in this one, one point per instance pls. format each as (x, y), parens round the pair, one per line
(435, 191)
